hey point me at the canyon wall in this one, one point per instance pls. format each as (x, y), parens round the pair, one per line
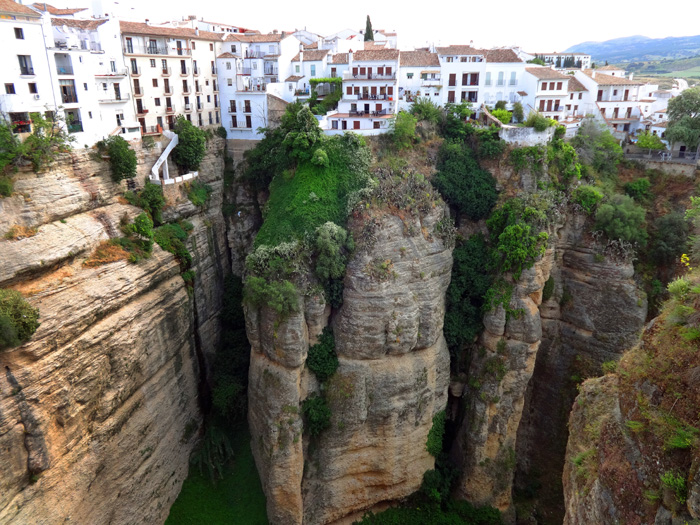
(392, 379)
(99, 410)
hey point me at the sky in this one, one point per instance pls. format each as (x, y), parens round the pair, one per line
(540, 26)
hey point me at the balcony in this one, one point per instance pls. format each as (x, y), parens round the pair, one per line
(75, 127)
(188, 107)
(184, 72)
(213, 70)
(135, 71)
(64, 70)
(427, 82)
(232, 109)
(25, 71)
(271, 71)
(151, 130)
(145, 50)
(261, 88)
(182, 51)
(165, 71)
(246, 109)
(138, 91)
(244, 71)
(367, 96)
(348, 75)
(169, 110)
(186, 90)
(69, 98)
(302, 92)
(141, 111)
(114, 99)
(195, 71)
(122, 72)
(167, 91)
(200, 107)
(369, 113)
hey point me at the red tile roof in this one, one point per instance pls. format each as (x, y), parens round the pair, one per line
(9, 6)
(139, 28)
(255, 39)
(609, 80)
(376, 55)
(545, 73)
(500, 55)
(41, 6)
(459, 50)
(418, 59)
(340, 58)
(227, 55)
(88, 25)
(312, 55)
(575, 85)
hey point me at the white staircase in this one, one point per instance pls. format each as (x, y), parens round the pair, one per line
(163, 161)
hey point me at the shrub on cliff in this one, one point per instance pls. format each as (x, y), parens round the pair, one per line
(587, 197)
(462, 183)
(18, 319)
(670, 238)
(436, 434)
(281, 296)
(597, 147)
(150, 198)
(317, 414)
(503, 115)
(191, 147)
(402, 130)
(322, 359)
(622, 218)
(6, 186)
(122, 159)
(199, 193)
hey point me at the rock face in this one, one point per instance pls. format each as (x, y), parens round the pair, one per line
(392, 379)
(99, 410)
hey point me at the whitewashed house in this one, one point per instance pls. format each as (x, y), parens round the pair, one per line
(307, 64)
(463, 72)
(566, 61)
(370, 92)
(547, 92)
(503, 79)
(419, 76)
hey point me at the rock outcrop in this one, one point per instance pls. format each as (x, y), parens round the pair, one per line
(392, 379)
(99, 410)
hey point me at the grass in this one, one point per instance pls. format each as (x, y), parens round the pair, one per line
(236, 499)
(685, 73)
(16, 232)
(106, 252)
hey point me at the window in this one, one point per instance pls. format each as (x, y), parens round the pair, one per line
(463, 59)
(164, 64)
(20, 122)
(296, 69)
(453, 82)
(488, 79)
(193, 46)
(155, 82)
(25, 65)
(409, 75)
(228, 65)
(571, 97)
(156, 101)
(465, 79)
(229, 81)
(134, 67)
(10, 89)
(208, 98)
(112, 66)
(206, 82)
(211, 47)
(377, 125)
(559, 85)
(614, 92)
(32, 88)
(85, 86)
(255, 65)
(513, 79)
(313, 70)
(90, 114)
(501, 79)
(248, 121)
(544, 86)
(19, 33)
(246, 109)
(233, 48)
(449, 59)
(580, 95)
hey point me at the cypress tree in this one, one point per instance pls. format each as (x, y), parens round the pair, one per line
(369, 33)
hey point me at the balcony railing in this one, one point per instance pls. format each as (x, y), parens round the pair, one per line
(69, 98)
(232, 109)
(302, 92)
(151, 130)
(182, 51)
(430, 81)
(367, 96)
(167, 91)
(200, 106)
(75, 127)
(348, 75)
(244, 71)
(165, 71)
(138, 91)
(121, 72)
(368, 113)
(114, 99)
(195, 71)
(188, 107)
(26, 71)
(186, 90)
(146, 50)
(169, 109)
(271, 71)
(141, 111)
(184, 71)
(239, 126)
(259, 87)
(246, 109)
(64, 70)
(135, 71)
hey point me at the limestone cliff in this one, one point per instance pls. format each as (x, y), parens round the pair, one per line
(99, 410)
(392, 379)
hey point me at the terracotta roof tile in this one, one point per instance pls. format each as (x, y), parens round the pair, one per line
(500, 55)
(575, 85)
(293, 78)
(88, 25)
(41, 6)
(458, 50)
(255, 39)
(610, 68)
(9, 6)
(139, 28)
(545, 73)
(340, 58)
(312, 55)
(609, 80)
(376, 55)
(418, 58)
(228, 55)
(311, 46)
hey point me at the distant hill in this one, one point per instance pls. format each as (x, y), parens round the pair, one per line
(640, 49)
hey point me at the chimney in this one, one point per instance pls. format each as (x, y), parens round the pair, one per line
(148, 22)
(301, 56)
(274, 31)
(196, 31)
(593, 74)
(631, 76)
(350, 58)
(284, 34)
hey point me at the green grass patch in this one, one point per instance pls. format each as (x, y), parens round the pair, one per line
(236, 499)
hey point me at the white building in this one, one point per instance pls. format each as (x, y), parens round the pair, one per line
(173, 72)
(463, 72)
(419, 76)
(504, 78)
(252, 69)
(560, 60)
(307, 64)
(547, 92)
(370, 92)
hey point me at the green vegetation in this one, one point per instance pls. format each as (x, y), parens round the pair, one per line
(638, 189)
(649, 141)
(587, 197)
(597, 147)
(236, 499)
(212, 452)
(317, 414)
(150, 199)
(518, 112)
(402, 130)
(621, 218)
(471, 278)
(537, 121)
(463, 183)
(451, 512)
(503, 115)
(369, 32)
(670, 238)
(122, 159)
(191, 147)
(332, 246)
(322, 359)
(18, 319)
(171, 237)
(490, 145)
(436, 434)
(47, 139)
(281, 296)
(676, 482)
(424, 109)
(328, 102)
(138, 239)
(6, 186)
(684, 118)
(199, 193)
(548, 289)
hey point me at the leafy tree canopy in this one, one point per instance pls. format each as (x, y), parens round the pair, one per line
(369, 32)
(684, 118)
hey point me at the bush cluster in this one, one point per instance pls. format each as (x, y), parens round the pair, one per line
(18, 319)
(436, 434)
(621, 218)
(317, 414)
(171, 237)
(122, 159)
(150, 198)
(6, 186)
(587, 197)
(322, 359)
(281, 296)
(199, 193)
(191, 147)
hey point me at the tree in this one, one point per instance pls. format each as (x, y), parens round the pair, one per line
(403, 130)
(622, 218)
(303, 135)
(650, 141)
(597, 147)
(684, 118)
(122, 159)
(518, 113)
(369, 33)
(192, 145)
(18, 319)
